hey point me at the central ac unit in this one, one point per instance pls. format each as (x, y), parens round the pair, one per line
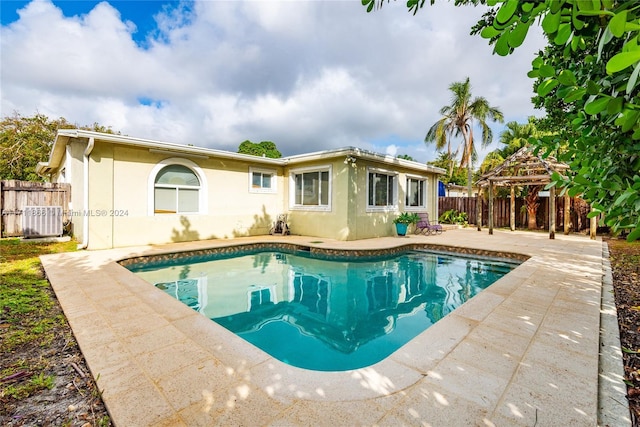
(42, 221)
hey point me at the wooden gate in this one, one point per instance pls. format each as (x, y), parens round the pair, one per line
(15, 195)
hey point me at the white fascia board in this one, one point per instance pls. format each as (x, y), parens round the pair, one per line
(56, 155)
(364, 154)
(174, 148)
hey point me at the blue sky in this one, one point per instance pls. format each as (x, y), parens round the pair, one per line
(307, 75)
(140, 12)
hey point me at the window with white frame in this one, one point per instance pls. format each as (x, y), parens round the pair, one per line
(381, 189)
(177, 186)
(415, 196)
(262, 180)
(176, 190)
(311, 188)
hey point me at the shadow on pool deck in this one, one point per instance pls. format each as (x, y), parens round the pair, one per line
(525, 351)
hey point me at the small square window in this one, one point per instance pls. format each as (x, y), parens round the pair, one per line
(262, 181)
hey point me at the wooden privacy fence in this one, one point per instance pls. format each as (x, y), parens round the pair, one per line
(460, 204)
(15, 195)
(501, 209)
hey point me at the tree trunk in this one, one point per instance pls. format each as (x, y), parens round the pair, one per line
(531, 202)
(532, 211)
(466, 155)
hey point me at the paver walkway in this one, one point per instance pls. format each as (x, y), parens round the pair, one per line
(523, 352)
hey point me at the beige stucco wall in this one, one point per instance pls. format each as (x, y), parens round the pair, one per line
(72, 172)
(311, 222)
(119, 194)
(350, 218)
(120, 205)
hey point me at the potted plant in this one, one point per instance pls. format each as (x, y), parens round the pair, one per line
(403, 220)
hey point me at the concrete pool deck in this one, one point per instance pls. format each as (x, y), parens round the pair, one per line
(526, 351)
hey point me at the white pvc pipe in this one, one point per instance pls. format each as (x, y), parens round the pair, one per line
(85, 194)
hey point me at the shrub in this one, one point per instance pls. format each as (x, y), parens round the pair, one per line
(452, 216)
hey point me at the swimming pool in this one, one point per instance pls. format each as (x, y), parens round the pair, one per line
(325, 313)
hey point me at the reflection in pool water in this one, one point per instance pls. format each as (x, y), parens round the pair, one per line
(324, 314)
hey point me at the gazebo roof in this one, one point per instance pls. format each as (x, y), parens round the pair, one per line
(523, 167)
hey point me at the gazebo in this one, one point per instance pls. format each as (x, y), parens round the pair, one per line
(524, 167)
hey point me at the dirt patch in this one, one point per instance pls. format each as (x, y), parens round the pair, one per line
(71, 398)
(625, 265)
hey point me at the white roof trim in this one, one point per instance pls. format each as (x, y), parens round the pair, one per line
(166, 146)
(179, 149)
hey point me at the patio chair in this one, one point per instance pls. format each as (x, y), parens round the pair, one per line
(424, 226)
(280, 226)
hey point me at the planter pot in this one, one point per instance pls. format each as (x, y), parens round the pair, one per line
(401, 229)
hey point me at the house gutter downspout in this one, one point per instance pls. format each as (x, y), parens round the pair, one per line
(85, 193)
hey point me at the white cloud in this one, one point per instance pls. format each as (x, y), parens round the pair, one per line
(306, 75)
(392, 150)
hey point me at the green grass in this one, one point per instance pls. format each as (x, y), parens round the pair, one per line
(27, 319)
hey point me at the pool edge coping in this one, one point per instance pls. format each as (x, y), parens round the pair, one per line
(158, 250)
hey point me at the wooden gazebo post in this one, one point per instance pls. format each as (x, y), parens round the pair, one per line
(552, 212)
(479, 209)
(490, 207)
(567, 213)
(512, 217)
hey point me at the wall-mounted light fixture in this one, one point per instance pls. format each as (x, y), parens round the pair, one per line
(350, 160)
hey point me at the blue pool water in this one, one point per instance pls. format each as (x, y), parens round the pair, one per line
(326, 315)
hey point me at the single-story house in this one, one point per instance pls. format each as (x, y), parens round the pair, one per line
(455, 190)
(130, 191)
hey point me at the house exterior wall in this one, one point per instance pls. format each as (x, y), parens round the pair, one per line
(121, 190)
(320, 223)
(350, 218)
(120, 209)
(72, 173)
(370, 223)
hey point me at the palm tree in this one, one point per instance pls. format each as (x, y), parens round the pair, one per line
(517, 135)
(459, 119)
(532, 202)
(446, 161)
(514, 137)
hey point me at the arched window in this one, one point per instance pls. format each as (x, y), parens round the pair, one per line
(176, 189)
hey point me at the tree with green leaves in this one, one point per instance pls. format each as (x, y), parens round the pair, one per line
(406, 157)
(459, 118)
(457, 175)
(517, 135)
(26, 141)
(588, 73)
(513, 137)
(262, 149)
